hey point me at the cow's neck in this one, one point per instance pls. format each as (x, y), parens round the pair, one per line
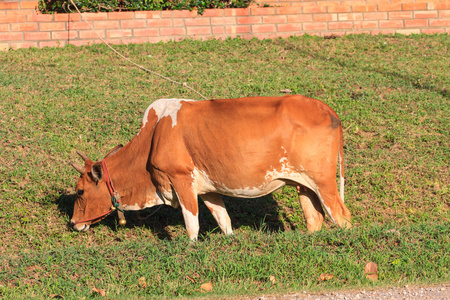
(128, 171)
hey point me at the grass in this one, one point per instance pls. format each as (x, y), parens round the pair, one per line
(391, 92)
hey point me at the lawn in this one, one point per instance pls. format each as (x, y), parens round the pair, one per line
(391, 93)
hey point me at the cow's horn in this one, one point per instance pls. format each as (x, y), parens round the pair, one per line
(83, 156)
(79, 168)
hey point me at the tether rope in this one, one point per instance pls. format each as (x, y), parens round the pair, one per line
(184, 84)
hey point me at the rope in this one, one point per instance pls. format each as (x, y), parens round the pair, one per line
(184, 84)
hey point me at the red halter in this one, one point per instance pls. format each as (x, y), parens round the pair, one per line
(115, 199)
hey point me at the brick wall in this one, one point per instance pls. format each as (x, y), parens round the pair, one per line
(22, 26)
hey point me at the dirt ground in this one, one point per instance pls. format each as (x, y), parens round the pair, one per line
(438, 292)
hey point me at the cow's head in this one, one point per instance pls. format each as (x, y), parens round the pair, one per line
(93, 199)
(92, 196)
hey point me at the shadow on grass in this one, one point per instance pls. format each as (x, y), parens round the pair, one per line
(259, 214)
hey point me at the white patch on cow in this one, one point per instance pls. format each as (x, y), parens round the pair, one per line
(326, 208)
(215, 204)
(164, 108)
(201, 183)
(167, 198)
(191, 222)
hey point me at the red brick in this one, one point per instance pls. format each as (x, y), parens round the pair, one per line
(408, 31)
(129, 15)
(223, 21)
(263, 28)
(36, 36)
(391, 24)
(79, 25)
(64, 35)
(9, 5)
(106, 24)
(414, 6)
(416, 23)
(440, 23)
(289, 27)
(314, 26)
(148, 14)
(7, 36)
(300, 18)
(366, 24)
(118, 33)
(433, 31)
(390, 7)
(95, 16)
(29, 4)
(184, 14)
(274, 19)
(325, 17)
(172, 31)
(166, 14)
(18, 13)
(52, 26)
(262, 11)
(159, 23)
(133, 24)
(12, 19)
(23, 45)
(89, 34)
(248, 20)
(4, 47)
(443, 14)
(234, 12)
(218, 30)
(400, 15)
(5, 27)
(339, 8)
(313, 9)
(364, 8)
(238, 29)
(198, 30)
(442, 5)
(213, 13)
(425, 14)
(288, 10)
(24, 27)
(375, 16)
(350, 17)
(40, 18)
(177, 22)
(197, 22)
(340, 25)
(146, 32)
(75, 17)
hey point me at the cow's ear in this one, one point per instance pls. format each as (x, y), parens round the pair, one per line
(97, 172)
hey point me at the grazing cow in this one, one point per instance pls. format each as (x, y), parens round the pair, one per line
(246, 147)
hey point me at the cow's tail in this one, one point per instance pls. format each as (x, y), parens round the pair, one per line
(341, 162)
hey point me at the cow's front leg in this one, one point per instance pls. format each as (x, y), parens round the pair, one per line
(189, 205)
(215, 204)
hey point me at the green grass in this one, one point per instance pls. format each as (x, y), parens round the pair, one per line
(391, 93)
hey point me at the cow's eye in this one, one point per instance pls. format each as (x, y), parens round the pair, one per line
(80, 192)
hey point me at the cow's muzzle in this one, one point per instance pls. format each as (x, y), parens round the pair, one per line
(79, 226)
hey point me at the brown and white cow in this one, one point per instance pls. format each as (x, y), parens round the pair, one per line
(246, 147)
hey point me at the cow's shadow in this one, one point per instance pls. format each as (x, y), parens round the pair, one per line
(259, 214)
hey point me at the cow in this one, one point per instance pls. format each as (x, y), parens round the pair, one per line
(245, 147)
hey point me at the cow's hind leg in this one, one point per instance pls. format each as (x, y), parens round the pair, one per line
(189, 205)
(332, 202)
(215, 204)
(312, 208)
